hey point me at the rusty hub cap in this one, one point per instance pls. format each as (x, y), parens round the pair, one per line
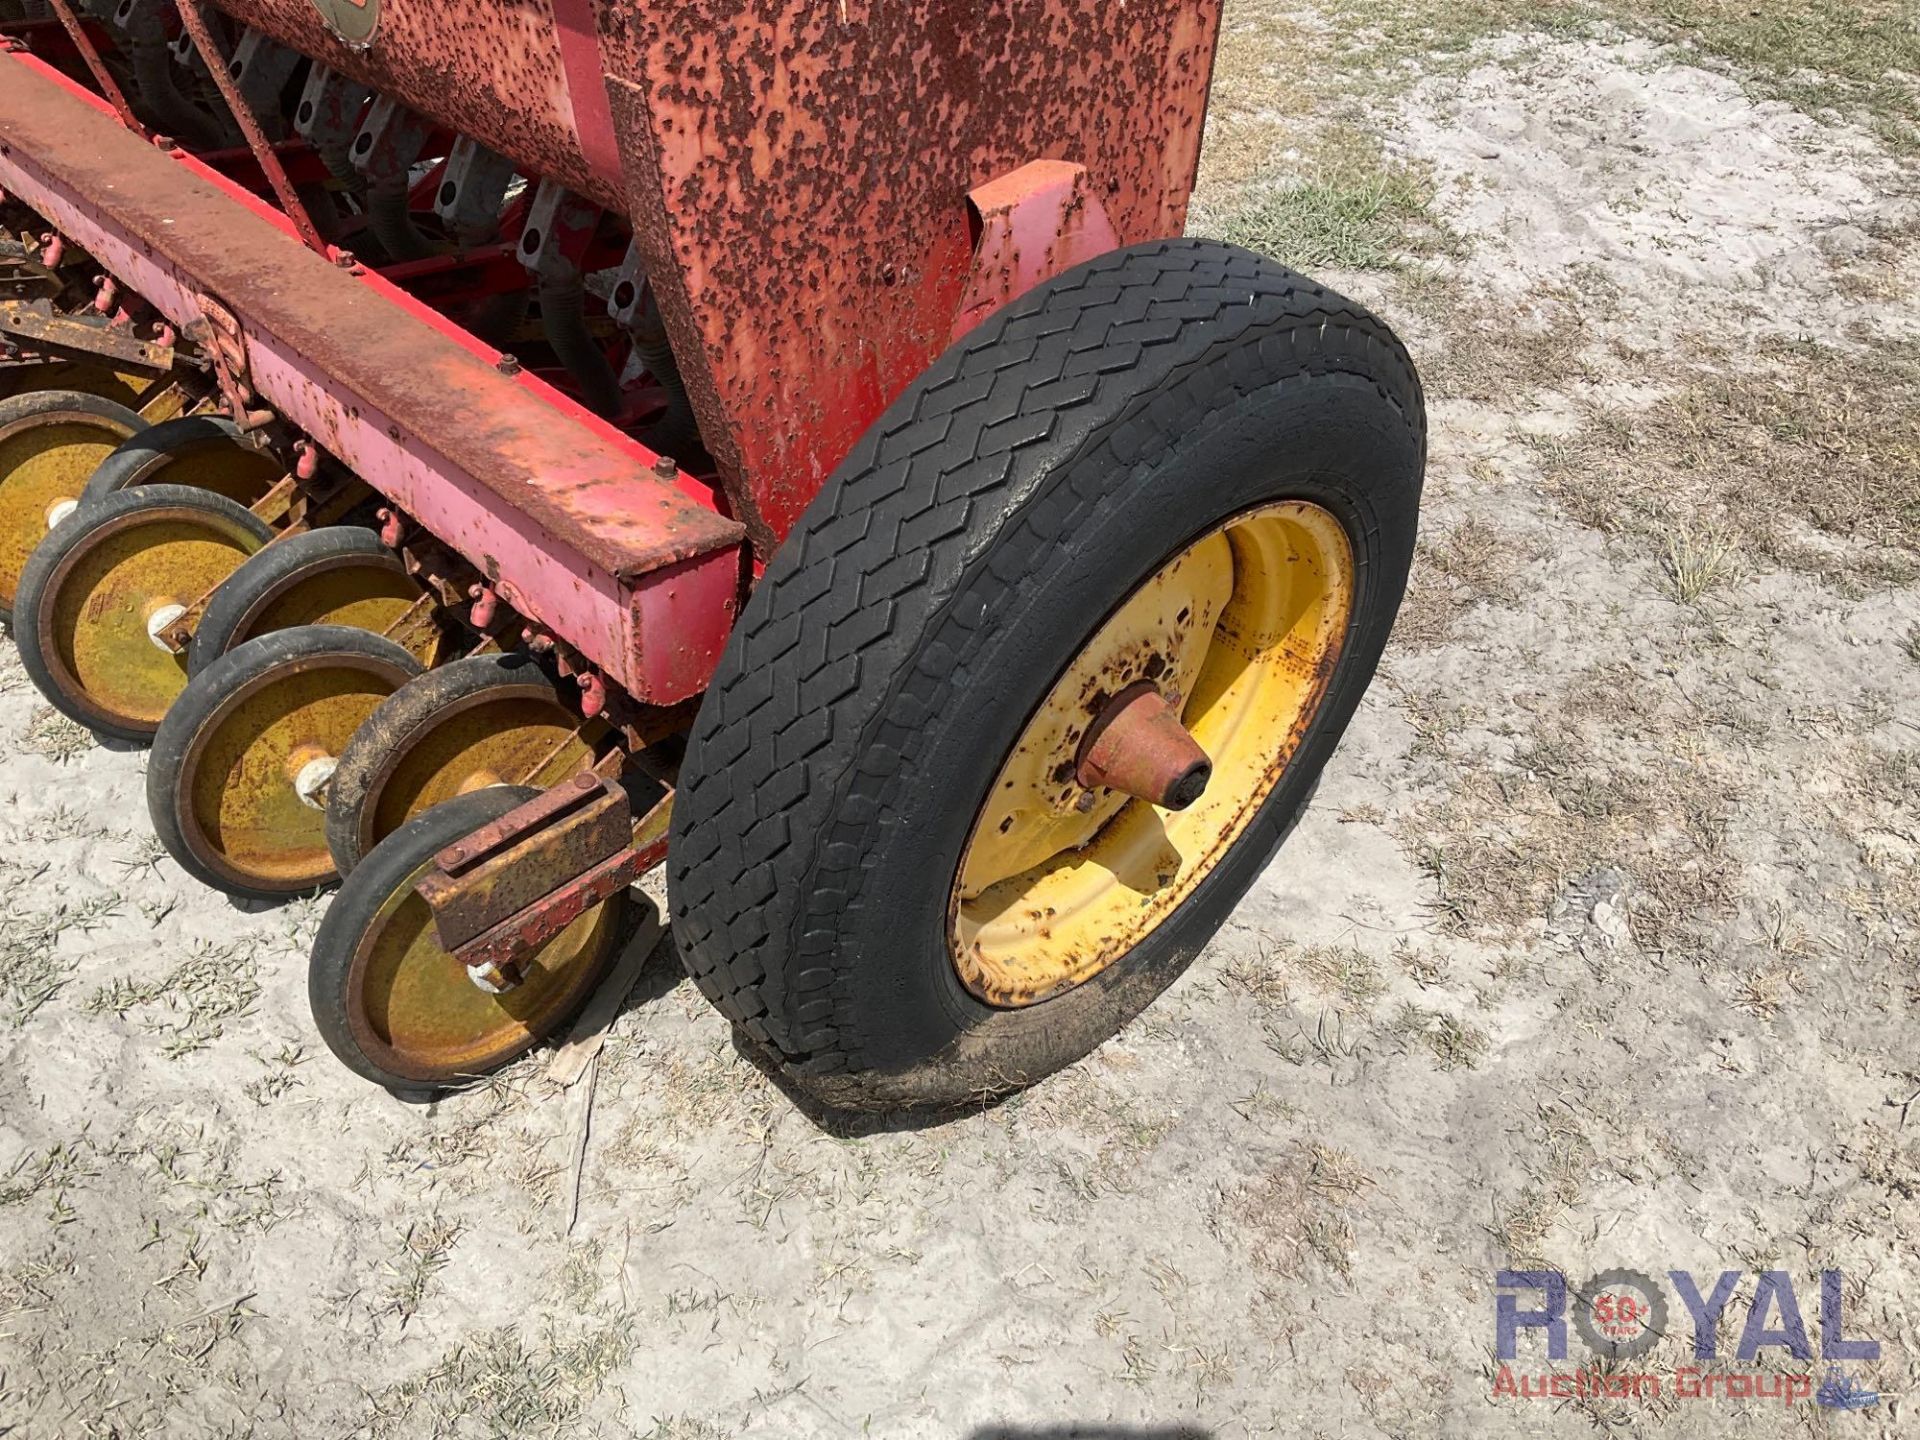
(115, 591)
(45, 461)
(252, 782)
(1151, 754)
(416, 1012)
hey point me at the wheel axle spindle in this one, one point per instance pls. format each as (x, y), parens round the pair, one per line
(1137, 745)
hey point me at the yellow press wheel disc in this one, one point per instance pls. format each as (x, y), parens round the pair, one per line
(236, 783)
(1238, 633)
(396, 1005)
(50, 444)
(100, 590)
(485, 720)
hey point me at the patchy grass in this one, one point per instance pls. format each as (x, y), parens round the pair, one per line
(1472, 564)
(1806, 458)
(1601, 781)
(1454, 1044)
(53, 735)
(1860, 58)
(32, 969)
(1341, 218)
(1699, 562)
(1300, 1210)
(502, 1386)
(189, 1005)
(1348, 976)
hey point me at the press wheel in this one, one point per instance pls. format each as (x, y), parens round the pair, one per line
(485, 720)
(104, 584)
(338, 575)
(395, 1005)
(51, 441)
(207, 452)
(237, 779)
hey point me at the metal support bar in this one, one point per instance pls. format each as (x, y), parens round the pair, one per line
(511, 886)
(193, 15)
(44, 329)
(97, 67)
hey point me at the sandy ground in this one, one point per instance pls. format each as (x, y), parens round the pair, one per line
(1597, 949)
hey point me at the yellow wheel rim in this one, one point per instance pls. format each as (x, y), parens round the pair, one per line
(1239, 632)
(511, 735)
(111, 586)
(348, 591)
(121, 387)
(242, 813)
(215, 464)
(45, 461)
(414, 1012)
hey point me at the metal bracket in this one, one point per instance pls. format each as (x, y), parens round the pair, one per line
(511, 886)
(558, 232)
(1031, 225)
(473, 189)
(46, 331)
(219, 335)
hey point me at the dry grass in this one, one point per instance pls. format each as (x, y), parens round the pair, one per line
(1474, 563)
(189, 1006)
(500, 1385)
(1807, 458)
(1299, 1210)
(53, 735)
(1601, 782)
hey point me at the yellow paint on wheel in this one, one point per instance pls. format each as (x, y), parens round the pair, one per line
(112, 588)
(1240, 633)
(45, 460)
(244, 815)
(516, 735)
(414, 1011)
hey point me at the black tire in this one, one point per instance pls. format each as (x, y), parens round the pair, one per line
(386, 868)
(45, 566)
(115, 420)
(976, 536)
(165, 454)
(405, 715)
(234, 614)
(169, 787)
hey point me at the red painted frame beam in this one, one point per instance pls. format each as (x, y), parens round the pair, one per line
(641, 574)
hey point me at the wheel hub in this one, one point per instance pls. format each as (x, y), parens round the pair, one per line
(1137, 744)
(1151, 754)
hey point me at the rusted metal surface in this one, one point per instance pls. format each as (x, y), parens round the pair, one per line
(799, 178)
(564, 516)
(493, 959)
(503, 73)
(193, 15)
(36, 327)
(521, 859)
(1138, 745)
(96, 67)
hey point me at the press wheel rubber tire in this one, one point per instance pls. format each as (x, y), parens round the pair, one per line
(973, 540)
(150, 457)
(115, 421)
(235, 611)
(402, 721)
(177, 744)
(246, 532)
(365, 893)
